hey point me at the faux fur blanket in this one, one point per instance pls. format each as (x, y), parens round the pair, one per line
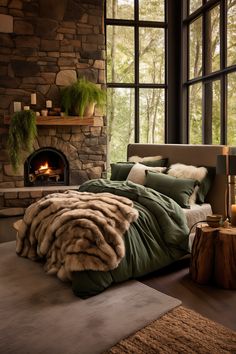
(75, 231)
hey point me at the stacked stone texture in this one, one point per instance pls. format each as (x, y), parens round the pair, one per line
(52, 43)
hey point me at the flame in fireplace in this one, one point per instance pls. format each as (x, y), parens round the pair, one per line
(43, 167)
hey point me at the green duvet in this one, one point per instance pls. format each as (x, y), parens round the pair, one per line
(156, 239)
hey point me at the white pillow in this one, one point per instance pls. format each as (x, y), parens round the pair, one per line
(143, 159)
(137, 173)
(180, 170)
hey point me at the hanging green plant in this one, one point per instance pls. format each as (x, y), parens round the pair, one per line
(22, 132)
(77, 96)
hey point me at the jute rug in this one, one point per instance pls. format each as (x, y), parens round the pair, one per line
(179, 331)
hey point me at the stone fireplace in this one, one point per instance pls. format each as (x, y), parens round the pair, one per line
(46, 167)
(40, 52)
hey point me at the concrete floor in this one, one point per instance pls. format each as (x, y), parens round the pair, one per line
(217, 304)
(7, 232)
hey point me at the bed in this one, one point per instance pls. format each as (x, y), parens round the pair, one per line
(145, 230)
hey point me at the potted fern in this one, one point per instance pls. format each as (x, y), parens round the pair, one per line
(80, 98)
(22, 132)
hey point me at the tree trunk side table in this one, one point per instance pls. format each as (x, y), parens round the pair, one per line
(213, 256)
(225, 258)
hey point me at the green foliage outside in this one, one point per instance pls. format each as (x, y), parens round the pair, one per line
(22, 133)
(120, 70)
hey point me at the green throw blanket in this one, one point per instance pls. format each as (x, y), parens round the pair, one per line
(157, 238)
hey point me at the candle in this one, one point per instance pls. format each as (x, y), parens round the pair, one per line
(26, 108)
(17, 106)
(33, 98)
(233, 215)
(48, 104)
(44, 112)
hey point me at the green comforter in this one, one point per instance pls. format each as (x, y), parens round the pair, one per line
(156, 239)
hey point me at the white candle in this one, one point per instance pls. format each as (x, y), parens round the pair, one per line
(48, 104)
(17, 106)
(233, 214)
(26, 108)
(33, 98)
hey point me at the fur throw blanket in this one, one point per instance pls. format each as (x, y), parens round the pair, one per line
(75, 231)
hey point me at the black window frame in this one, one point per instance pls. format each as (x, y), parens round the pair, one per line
(205, 79)
(136, 85)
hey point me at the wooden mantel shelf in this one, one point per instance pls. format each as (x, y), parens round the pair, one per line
(57, 120)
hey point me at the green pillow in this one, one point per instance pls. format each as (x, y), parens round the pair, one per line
(179, 189)
(120, 170)
(205, 184)
(155, 163)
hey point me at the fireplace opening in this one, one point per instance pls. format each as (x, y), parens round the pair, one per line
(46, 167)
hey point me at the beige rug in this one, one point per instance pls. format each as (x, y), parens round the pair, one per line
(40, 315)
(179, 331)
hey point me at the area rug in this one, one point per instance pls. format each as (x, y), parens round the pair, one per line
(40, 314)
(179, 331)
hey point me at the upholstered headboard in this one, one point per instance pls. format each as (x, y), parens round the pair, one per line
(197, 155)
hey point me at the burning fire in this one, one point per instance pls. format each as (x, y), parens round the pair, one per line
(43, 167)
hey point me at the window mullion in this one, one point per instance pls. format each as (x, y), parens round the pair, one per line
(136, 74)
(223, 65)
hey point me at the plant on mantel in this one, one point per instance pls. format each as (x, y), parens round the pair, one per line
(22, 132)
(80, 98)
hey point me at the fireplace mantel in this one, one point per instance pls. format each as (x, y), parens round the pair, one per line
(70, 120)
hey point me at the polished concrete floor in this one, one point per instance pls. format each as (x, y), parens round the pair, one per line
(210, 301)
(217, 304)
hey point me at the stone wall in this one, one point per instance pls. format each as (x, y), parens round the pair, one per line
(45, 45)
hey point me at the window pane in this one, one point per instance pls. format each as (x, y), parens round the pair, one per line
(152, 10)
(122, 9)
(212, 57)
(152, 115)
(194, 5)
(231, 110)
(216, 112)
(195, 114)
(231, 33)
(120, 54)
(151, 55)
(120, 114)
(195, 48)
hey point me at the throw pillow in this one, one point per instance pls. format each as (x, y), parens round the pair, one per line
(153, 161)
(137, 173)
(179, 189)
(179, 170)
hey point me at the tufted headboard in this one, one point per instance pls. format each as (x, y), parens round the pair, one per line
(197, 155)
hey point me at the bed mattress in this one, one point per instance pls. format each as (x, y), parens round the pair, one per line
(195, 214)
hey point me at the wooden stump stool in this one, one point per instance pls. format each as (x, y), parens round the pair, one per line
(225, 258)
(214, 256)
(202, 257)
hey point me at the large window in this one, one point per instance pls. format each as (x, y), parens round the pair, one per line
(211, 71)
(171, 72)
(136, 73)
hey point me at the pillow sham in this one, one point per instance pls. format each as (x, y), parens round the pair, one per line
(201, 174)
(120, 170)
(179, 189)
(137, 173)
(205, 184)
(153, 161)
